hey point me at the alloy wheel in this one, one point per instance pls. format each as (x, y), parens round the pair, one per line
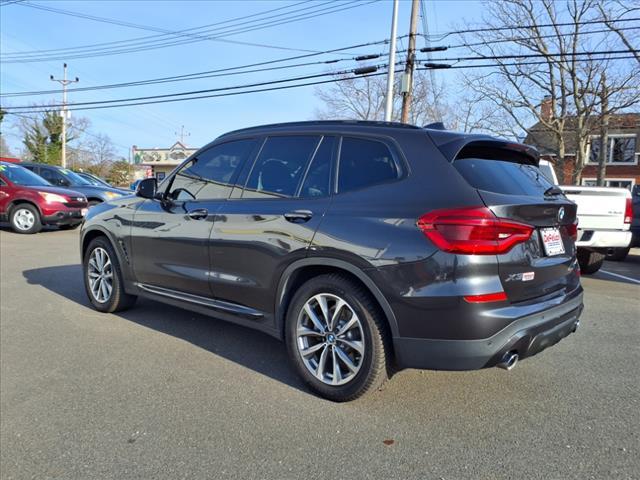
(100, 275)
(330, 339)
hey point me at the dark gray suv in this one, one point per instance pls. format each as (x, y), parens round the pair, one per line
(365, 246)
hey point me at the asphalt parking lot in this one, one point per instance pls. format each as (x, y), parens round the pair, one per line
(157, 392)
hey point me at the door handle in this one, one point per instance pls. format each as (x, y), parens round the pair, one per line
(298, 216)
(198, 213)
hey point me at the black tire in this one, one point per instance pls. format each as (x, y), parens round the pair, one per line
(18, 211)
(69, 226)
(93, 203)
(118, 300)
(375, 361)
(618, 254)
(589, 261)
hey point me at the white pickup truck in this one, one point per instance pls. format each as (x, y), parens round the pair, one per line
(604, 218)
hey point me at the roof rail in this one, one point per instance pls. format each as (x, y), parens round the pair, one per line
(370, 123)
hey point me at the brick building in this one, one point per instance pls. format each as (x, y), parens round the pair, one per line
(161, 161)
(623, 168)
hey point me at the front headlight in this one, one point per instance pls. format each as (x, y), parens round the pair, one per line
(52, 197)
(111, 195)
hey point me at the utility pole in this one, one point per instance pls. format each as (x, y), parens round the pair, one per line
(64, 82)
(604, 132)
(392, 63)
(407, 79)
(182, 134)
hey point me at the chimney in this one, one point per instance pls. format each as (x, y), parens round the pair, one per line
(546, 110)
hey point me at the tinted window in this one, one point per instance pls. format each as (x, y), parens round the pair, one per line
(318, 180)
(21, 176)
(364, 163)
(62, 176)
(211, 173)
(280, 166)
(505, 177)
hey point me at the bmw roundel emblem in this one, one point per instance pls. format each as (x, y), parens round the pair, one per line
(561, 214)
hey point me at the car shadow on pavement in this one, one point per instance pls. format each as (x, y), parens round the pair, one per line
(249, 348)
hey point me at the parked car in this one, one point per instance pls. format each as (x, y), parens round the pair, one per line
(94, 180)
(365, 246)
(604, 215)
(62, 177)
(635, 221)
(28, 201)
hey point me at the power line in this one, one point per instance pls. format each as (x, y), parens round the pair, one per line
(516, 39)
(149, 37)
(430, 66)
(28, 57)
(193, 92)
(442, 36)
(533, 55)
(205, 74)
(267, 89)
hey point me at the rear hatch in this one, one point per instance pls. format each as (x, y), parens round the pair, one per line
(512, 186)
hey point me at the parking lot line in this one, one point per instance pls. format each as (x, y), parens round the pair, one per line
(621, 276)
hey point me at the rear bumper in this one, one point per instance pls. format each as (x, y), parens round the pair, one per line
(604, 238)
(527, 335)
(63, 217)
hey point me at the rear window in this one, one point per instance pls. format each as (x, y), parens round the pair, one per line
(500, 176)
(364, 163)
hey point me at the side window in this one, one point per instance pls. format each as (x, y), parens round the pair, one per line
(364, 163)
(211, 173)
(279, 167)
(53, 177)
(317, 183)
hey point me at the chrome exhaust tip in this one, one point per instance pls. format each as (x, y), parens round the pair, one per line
(575, 326)
(509, 361)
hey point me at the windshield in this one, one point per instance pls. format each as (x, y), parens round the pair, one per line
(73, 177)
(21, 176)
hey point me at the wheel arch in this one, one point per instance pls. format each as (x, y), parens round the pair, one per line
(18, 201)
(302, 270)
(97, 231)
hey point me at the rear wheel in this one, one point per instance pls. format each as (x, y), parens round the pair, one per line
(589, 261)
(103, 278)
(337, 338)
(618, 254)
(25, 218)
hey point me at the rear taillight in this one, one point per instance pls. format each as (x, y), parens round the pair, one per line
(475, 231)
(572, 230)
(628, 211)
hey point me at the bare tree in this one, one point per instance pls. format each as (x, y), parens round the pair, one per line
(363, 98)
(565, 75)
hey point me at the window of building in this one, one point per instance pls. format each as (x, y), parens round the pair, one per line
(364, 163)
(280, 166)
(621, 149)
(211, 173)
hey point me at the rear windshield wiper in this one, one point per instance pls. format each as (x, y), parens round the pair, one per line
(553, 190)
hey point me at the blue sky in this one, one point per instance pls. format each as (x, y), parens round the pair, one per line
(25, 29)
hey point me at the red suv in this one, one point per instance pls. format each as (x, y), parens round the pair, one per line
(28, 201)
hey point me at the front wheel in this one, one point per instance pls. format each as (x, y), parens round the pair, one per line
(337, 338)
(25, 218)
(589, 261)
(103, 278)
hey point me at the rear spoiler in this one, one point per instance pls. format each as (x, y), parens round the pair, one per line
(456, 145)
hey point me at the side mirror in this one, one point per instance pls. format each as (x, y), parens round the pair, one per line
(147, 188)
